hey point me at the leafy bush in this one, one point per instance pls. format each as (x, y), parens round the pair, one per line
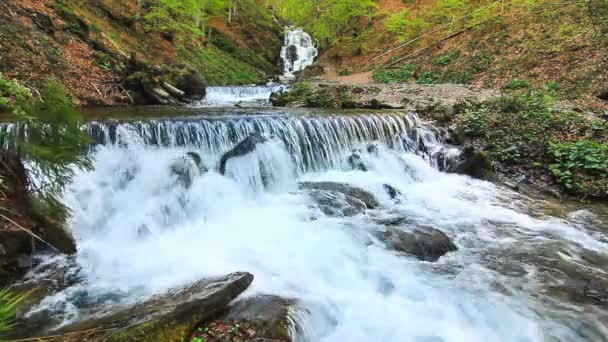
(428, 77)
(10, 92)
(581, 166)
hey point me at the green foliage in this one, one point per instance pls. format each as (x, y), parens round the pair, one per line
(581, 166)
(405, 26)
(8, 305)
(448, 57)
(517, 84)
(55, 143)
(428, 77)
(327, 20)
(11, 92)
(403, 74)
(521, 129)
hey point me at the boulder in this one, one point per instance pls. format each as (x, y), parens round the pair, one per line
(186, 168)
(476, 164)
(368, 199)
(425, 243)
(337, 204)
(169, 317)
(246, 146)
(263, 317)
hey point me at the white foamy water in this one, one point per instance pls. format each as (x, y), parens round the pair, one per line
(299, 51)
(140, 232)
(247, 96)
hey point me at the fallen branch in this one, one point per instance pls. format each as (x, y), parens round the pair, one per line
(28, 231)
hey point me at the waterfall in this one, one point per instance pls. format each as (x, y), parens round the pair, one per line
(140, 232)
(315, 142)
(250, 96)
(299, 51)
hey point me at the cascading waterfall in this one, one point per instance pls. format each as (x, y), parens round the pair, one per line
(140, 232)
(253, 95)
(299, 51)
(315, 142)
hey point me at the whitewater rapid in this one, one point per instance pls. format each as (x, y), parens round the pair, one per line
(140, 233)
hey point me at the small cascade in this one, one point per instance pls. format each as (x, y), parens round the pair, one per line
(248, 96)
(298, 52)
(314, 142)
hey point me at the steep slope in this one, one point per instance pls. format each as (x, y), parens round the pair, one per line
(538, 44)
(87, 45)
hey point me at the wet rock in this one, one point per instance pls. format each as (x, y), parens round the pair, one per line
(246, 146)
(187, 168)
(391, 191)
(476, 164)
(348, 190)
(337, 204)
(292, 54)
(356, 162)
(268, 315)
(168, 317)
(425, 243)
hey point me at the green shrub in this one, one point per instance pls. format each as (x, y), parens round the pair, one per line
(581, 166)
(428, 77)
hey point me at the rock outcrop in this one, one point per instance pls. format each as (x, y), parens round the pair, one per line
(425, 243)
(351, 193)
(169, 317)
(474, 163)
(263, 318)
(246, 146)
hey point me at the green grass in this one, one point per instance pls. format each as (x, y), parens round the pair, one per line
(8, 304)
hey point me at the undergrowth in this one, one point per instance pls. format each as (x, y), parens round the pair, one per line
(521, 129)
(8, 305)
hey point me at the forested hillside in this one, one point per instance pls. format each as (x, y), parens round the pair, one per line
(541, 43)
(93, 47)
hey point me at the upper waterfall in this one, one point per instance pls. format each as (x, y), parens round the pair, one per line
(299, 51)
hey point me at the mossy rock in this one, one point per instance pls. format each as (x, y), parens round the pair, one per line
(169, 318)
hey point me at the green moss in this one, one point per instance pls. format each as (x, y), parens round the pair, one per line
(219, 67)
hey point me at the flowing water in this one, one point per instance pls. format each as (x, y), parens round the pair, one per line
(253, 95)
(140, 232)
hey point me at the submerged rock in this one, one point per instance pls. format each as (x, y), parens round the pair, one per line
(356, 162)
(168, 317)
(186, 168)
(425, 243)
(246, 146)
(367, 198)
(337, 204)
